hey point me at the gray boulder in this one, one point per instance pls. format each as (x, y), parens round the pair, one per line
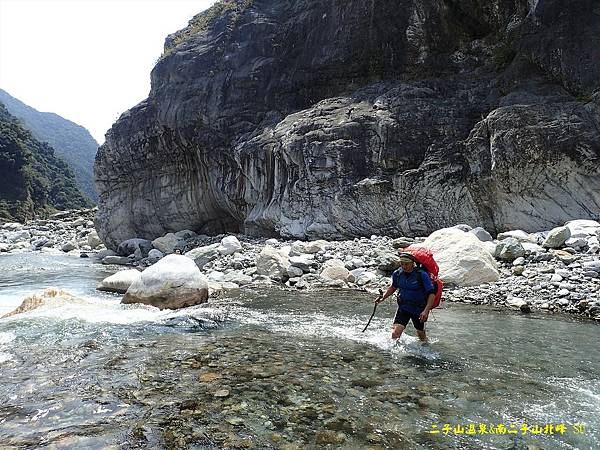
(203, 255)
(68, 246)
(120, 260)
(556, 237)
(130, 246)
(510, 249)
(167, 243)
(481, 234)
(387, 261)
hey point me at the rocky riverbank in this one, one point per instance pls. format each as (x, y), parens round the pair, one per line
(555, 271)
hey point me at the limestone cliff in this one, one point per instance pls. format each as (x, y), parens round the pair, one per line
(339, 118)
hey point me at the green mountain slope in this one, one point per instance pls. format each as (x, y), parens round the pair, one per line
(33, 181)
(71, 142)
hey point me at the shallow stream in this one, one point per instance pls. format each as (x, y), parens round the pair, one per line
(269, 368)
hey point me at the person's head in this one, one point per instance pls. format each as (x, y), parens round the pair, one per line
(407, 262)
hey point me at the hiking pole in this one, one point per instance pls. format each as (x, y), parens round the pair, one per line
(374, 309)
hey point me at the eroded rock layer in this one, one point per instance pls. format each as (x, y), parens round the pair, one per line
(328, 118)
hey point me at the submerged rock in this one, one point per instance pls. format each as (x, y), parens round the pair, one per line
(49, 295)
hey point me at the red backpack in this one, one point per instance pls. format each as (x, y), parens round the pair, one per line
(424, 257)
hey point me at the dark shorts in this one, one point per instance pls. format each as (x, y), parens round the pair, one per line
(402, 317)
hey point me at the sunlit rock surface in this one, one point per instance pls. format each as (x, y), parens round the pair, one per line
(340, 119)
(49, 296)
(173, 282)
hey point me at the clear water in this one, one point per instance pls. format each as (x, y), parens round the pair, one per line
(282, 369)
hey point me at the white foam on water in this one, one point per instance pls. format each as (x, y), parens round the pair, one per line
(320, 325)
(9, 303)
(585, 392)
(412, 346)
(91, 309)
(6, 337)
(106, 309)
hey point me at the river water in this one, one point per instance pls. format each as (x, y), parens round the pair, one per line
(283, 369)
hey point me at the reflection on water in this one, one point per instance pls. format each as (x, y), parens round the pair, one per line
(277, 369)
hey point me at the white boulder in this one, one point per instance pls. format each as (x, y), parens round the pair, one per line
(155, 254)
(272, 264)
(463, 259)
(229, 245)
(12, 226)
(336, 272)
(93, 239)
(583, 228)
(173, 282)
(120, 281)
(299, 247)
(54, 296)
(303, 262)
(519, 235)
(515, 302)
(363, 276)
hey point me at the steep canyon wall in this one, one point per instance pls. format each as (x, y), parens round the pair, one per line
(330, 118)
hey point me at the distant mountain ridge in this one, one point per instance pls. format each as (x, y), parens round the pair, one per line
(71, 141)
(33, 181)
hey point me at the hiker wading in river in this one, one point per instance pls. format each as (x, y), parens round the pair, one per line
(415, 297)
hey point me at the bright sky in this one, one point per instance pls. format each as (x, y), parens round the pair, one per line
(86, 60)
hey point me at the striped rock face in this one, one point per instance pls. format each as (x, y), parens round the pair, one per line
(304, 119)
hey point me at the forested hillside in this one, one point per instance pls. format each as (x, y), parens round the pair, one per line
(33, 181)
(71, 141)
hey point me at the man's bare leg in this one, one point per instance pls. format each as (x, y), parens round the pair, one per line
(397, 331)
(422, 336)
